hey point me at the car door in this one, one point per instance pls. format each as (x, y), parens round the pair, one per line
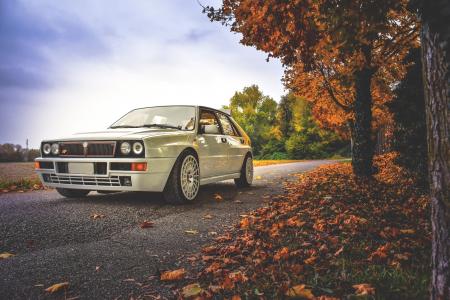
(235, 147)
(212, 145)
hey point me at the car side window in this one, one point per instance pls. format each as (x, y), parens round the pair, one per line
(209, 121)
(228, 128)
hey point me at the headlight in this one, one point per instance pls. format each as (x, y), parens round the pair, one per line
(47, 149)
(138, 148)
(125, 148)
(55, 149)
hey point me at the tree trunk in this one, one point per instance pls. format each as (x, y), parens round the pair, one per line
(362, 154)
(435, 58)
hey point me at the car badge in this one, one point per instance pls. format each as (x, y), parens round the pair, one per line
(85, 144)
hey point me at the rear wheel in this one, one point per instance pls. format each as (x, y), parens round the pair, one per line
(246, 177)
(71, 193)
(184, 180)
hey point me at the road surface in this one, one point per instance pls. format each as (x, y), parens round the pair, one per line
(56, 239)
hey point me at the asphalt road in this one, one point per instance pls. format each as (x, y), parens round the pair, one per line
(56, 240)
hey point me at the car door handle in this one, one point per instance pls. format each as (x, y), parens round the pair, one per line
(224, 140)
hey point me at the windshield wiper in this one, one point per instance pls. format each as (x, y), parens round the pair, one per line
(162, 126)
(123, 126)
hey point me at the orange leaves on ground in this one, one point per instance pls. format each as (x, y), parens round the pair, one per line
(245, 223)
(327, 222)
(283, 253)
(299, 291)
(6, 255)
(191, 291)
(364, 289)
(218, 197)
(146, 224)
(173, 275)
(295, 222)
(56, 287)
(97, 216)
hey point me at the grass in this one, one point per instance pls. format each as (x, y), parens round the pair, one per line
(262, 163)
(18, 176)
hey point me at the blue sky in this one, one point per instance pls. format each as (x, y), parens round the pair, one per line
(71, 66)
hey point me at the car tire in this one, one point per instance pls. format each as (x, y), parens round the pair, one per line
(184, 180)
(246, 178)
(72, 193)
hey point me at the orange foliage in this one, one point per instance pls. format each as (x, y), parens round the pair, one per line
(324, 43)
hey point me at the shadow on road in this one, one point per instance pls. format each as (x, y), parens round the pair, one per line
(228, 191)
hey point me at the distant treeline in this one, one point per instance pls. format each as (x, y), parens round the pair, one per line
(15, 153)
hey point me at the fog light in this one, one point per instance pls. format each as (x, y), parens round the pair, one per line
(125, 180)
(140, 167)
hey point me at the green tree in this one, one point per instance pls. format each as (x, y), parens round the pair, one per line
(256, 113)
(285, 114)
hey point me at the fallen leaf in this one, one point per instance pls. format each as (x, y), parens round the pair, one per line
(218, 197)
(310, 260)
(97, 268)
(146, 224)
(299, 291)
(236, 297)
(283, 253)
(173, 275)
(191, 290)
(6, 255)
(97, 216)
(258, 177)
(245, 223)
(191, 231)
(407, 231)
(207, 217)
(56, 287)
(364, 289)
(339, 251)
(238, 201)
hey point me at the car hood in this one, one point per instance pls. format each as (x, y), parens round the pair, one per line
(121, 134)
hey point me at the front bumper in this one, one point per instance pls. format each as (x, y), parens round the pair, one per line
(152, 180)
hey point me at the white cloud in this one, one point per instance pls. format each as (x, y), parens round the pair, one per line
(155, 52)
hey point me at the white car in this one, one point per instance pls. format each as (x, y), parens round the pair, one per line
(169, 149)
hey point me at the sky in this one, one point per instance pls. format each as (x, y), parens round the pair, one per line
(74, 66)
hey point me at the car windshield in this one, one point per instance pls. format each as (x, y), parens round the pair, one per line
(170, 117)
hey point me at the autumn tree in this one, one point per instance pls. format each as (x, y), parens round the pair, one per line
(435, 42)
(343, 55)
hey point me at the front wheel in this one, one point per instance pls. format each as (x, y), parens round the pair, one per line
(246, 177)
(72, 193)
(184, 180)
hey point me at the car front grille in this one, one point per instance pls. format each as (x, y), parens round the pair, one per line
(87, 149)
(82, 180)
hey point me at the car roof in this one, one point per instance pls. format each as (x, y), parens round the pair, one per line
(199, 106)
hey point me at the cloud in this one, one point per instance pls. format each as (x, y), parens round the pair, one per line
(79, 65)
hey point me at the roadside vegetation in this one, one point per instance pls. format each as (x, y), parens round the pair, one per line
(286, 130)
(18, 177)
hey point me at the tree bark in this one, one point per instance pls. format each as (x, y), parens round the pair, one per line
(362, 152)
(435, 58)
